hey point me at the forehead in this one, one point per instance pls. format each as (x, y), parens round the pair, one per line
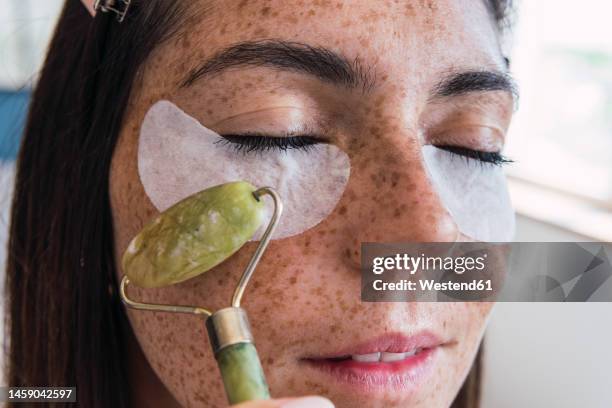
(410, 38)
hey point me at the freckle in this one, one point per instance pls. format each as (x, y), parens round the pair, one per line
(261, 32)
(311, 13)
(394, 178)
(342, 210)
(347, 252)
(270, 360)
(265, 11)
(375, 130)
(292, 280)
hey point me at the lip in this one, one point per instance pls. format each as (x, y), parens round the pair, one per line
(368, 377)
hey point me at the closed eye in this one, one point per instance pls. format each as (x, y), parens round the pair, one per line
(247, 143)
(495, 158)
(255, 142)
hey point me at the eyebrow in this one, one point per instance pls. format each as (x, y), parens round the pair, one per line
(319, 62)
(334, 68)
(460, 83)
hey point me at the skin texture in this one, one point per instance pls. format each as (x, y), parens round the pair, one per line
(311, 306)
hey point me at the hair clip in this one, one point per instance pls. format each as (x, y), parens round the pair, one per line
(119, 7)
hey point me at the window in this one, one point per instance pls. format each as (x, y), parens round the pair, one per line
(561, 138)
(25, 28)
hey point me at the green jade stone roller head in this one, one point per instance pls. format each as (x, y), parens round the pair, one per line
(192, 237)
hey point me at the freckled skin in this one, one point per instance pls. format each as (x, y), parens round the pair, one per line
(305, 295)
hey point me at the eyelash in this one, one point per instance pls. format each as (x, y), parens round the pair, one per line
(248, 143)
(494, 158)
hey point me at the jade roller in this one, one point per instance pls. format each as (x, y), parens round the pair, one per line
(192, 237)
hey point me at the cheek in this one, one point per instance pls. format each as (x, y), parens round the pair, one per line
(176, 345)
(471, 321)
(281, 301)
(177, 349)
(468, 322)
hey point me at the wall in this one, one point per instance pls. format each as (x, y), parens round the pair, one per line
(548, 354)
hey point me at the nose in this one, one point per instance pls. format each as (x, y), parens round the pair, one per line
(391, 197)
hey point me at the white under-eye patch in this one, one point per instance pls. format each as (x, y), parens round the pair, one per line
(178, 156)
(475, 194)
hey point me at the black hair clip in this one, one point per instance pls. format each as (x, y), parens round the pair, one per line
(119, 7)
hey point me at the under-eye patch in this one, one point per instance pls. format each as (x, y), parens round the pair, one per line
(178, 156)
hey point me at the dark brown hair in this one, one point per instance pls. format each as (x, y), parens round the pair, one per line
(65, 323)
(65, 326)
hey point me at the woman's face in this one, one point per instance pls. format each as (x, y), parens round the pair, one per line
(304, 300)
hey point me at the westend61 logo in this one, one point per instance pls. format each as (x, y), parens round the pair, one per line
(511, 272)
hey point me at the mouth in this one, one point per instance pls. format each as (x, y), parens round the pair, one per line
(393, 362)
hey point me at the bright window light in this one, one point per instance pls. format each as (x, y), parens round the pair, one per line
(562, 134)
